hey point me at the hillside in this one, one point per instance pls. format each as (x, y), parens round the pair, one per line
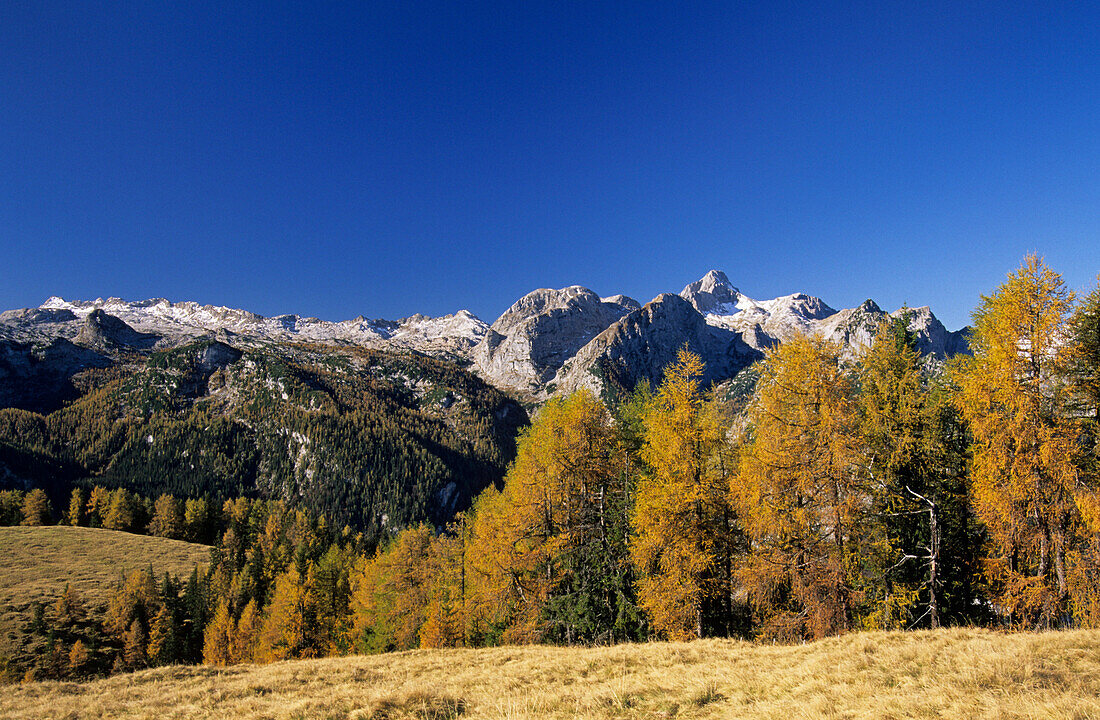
(36, 563)
(367, 438)
(961, 673)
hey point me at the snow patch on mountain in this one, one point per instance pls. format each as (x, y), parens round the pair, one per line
(184, 321)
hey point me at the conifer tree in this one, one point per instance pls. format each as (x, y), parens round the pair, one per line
(196, 520)
(77, 501)
(69, 608)
(545, 558)
(164, 642)
(681, 518)
(917, 556)
(330, 596)
(800, 494)
(1014, 394)
(246, 632)
(99, 500)
(391, 592)
(1085, 358)
(133, 646)
(120, 513)
(217, 646)
(36, 508)
(167, 519)
(1083, 571)
(11, 507)
(78, 657)
(285, 630)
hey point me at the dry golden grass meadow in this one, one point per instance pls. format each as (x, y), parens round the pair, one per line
(959, 673)
(36, 563)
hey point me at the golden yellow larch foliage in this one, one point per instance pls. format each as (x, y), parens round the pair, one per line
(681, 494)
(76, 507)
(246, 632)
(1014, 395)
(98, 502)
(445, 617)
(78, 657)
(284, 632)
(799, 492)
(167, 518)
(552, 502)
(36, 508)
(391, 592)
(217, 646)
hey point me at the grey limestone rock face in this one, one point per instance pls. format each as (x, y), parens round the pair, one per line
(39, 376)
(933, 339)
(711, 292)
(179, 323)
(642, 344)
(216, 355)
(527, 345)
(104, 332)
(548, 341)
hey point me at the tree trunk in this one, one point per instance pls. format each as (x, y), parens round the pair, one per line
(933, 566)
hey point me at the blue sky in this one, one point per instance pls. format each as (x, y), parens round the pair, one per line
(337, 159)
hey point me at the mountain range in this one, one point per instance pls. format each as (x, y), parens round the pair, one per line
(548, 341)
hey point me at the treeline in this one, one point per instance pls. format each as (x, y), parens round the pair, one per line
(198, 520)
(871, 492)
(277, 587)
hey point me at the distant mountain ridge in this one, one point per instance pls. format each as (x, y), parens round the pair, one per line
(177, 322)
(728, 329)
(548, 341)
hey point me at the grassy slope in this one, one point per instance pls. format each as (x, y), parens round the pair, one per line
(952, 673)
(37, 562)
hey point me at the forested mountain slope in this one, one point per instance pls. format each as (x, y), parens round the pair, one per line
(368, 438)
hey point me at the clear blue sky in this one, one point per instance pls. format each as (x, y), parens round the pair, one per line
(334, 159)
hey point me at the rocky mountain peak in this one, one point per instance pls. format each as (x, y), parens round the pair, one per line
(548, 341)
(527, 345)
(869, 306)
(544, 300)
(102, 331)
(712, 292)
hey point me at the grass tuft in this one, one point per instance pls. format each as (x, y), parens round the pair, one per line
(707, 695)
(417, 705)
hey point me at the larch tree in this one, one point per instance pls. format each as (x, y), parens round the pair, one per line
(133, 646)
(167, 519)
(217, 645)
(77, 499)
(36, 508)
(1014, 394)
(390, 593)
(99, 500)
(800, 492)
(285, 632)
(681, 517)
(164, 644)
(1084, 561)
(533, 571)
(121, 512)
